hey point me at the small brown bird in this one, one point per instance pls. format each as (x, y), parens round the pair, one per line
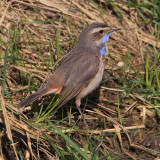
(80, 71)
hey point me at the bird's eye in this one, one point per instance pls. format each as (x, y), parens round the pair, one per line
(100, 31)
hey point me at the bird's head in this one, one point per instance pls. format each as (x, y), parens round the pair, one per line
(94, 37)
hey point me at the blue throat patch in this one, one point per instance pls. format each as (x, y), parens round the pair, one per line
(104, 40)
(103, 51)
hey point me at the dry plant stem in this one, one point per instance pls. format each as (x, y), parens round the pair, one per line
(112, 89)
(131, 106)
(2, 18)
(7, 124)
(120, 141)
(144, 114)
(30, 145)
(2, 4)
(102, 131)
(27, 155)
(152, 152)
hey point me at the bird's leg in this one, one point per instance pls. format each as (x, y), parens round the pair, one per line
(78, 103)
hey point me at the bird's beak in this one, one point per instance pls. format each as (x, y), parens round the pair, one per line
(115, 29)
(106, 37)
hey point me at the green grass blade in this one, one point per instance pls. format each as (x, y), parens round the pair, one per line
(83, 154)
(4, 74)
(57, 39)
(54, 146)
(147, 71)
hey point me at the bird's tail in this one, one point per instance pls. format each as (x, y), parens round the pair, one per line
(41, 92)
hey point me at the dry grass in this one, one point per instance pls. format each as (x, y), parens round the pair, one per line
(123, 113)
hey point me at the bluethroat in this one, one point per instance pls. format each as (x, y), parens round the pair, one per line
(80, 71)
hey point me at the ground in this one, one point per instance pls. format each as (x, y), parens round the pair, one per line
(122, 114)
